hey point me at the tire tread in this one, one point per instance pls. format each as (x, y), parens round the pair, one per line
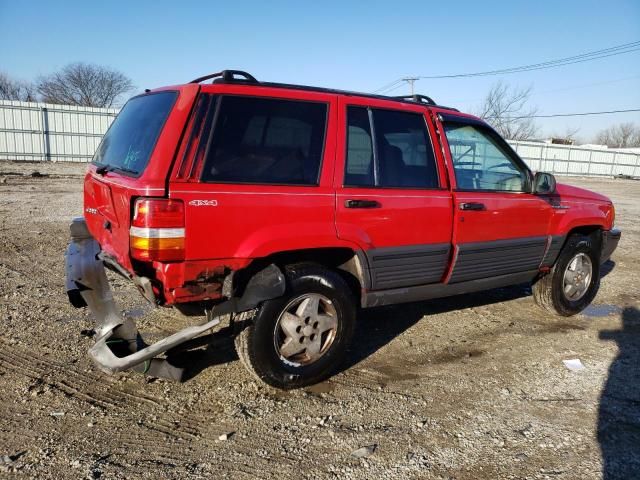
(245, 338)
(545, 291)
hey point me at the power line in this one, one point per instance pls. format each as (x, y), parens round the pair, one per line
(571, 114)
(391, 88)
(563, 89)
(585, 85)
(583, 57)
(389, 85)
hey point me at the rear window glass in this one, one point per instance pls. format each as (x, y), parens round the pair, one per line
(263, 140)
(129, 142)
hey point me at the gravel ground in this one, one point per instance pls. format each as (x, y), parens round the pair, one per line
(469, 387)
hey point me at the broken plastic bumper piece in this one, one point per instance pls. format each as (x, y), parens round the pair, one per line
(118, 345)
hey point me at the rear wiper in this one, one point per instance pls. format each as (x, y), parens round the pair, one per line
(110, 168)
(103, 169)
(126, 170)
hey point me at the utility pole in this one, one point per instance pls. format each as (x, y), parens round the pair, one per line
(411, 81)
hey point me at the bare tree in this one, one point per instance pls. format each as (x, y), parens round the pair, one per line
(571, 133)
(11, 89)
(84, 84)
(623, 135)
(506, 109)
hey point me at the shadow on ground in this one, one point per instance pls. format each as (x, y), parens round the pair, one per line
(377, 327)
(203, 352)
(619, 412)
(606, 268)
(374, 330)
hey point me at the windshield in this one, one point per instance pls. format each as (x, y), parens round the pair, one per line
(128, 143)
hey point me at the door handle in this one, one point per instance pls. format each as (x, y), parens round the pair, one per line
(362, 204)
(472, 206)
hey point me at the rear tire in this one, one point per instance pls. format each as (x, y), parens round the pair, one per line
(300, 338)
(574, 280)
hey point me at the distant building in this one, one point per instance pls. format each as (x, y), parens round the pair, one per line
(561, 141)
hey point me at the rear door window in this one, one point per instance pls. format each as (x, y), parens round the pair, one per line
(400, 156)
(129, 142)
(266, 141)
(360, 164)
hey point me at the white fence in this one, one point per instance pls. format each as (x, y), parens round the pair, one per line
(44, 132)
(570, 160)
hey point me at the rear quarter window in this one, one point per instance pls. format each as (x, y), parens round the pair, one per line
(266, 141)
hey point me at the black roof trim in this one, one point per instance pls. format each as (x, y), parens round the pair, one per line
(447, 117)
(417, 98)
(350, 93)
(229, 77)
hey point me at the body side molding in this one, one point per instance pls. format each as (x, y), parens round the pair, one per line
(426, 292)
(395, 267)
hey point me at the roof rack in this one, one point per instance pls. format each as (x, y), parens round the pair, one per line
(239, 76)
(228, 76)
(417, 98)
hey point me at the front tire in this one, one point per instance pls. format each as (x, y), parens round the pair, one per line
(574, 280)
(300, 338)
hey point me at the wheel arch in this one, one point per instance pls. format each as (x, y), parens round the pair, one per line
(593, 232)
(350, 263)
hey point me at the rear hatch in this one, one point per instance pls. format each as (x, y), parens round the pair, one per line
(132, 161)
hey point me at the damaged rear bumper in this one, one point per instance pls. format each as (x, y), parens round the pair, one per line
(118, 345)
(87, 285)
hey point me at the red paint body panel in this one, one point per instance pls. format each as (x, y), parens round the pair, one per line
(405, 216)
(580, 207)
(227, 226)
(181, 281)
(247, 221)
(502, 218)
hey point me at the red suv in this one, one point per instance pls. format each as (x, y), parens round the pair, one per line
(299, 205)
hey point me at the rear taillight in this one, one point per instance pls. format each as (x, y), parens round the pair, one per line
(157, 230)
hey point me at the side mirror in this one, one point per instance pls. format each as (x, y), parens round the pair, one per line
(544, 183)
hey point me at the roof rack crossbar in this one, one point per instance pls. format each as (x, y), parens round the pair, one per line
(228, 76)
(417, 98)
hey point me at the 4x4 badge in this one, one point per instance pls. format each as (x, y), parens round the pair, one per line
(203, 203)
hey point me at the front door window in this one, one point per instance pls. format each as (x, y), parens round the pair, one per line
(481, 163)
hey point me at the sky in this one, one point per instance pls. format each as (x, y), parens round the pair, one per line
(349, 45)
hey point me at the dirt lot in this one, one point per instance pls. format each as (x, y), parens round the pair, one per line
(470, 387)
